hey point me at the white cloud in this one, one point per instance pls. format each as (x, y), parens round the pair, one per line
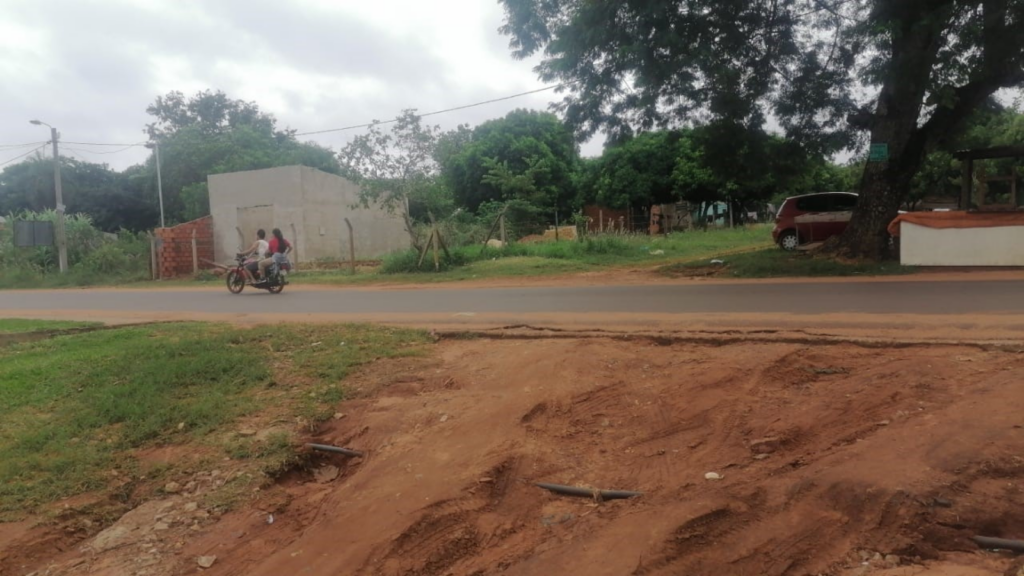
(92, 68)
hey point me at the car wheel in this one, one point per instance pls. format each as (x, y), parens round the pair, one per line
(789, 241)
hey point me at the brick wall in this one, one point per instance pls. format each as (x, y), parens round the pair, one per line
(174, 256)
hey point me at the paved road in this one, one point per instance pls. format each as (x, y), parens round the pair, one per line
(917, 297)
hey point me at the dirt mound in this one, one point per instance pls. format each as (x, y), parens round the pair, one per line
(830, 460)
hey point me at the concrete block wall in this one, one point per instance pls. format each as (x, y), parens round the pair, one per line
(174, 258)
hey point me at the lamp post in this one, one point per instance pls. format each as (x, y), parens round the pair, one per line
(62, 245)
(155, 146)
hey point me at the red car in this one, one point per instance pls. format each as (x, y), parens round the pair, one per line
(812, 218)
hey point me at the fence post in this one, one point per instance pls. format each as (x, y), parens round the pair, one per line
(600, 219)
(152, 254)
(195, 255)
(556, 225)
(295, 247)
(504, 239)
(351, 247)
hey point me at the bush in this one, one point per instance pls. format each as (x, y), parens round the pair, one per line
(405, 262)
(93, 256)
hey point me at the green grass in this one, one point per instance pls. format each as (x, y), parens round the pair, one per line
(18, 325)
(775, 263)
(74, 408)
(551, 258)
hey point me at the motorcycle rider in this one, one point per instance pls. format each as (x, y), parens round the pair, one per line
(279, 250)
(259, 250)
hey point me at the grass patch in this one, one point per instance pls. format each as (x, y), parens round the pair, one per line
(74, 409)
(551, 258)
(775, 263)
(20, 325)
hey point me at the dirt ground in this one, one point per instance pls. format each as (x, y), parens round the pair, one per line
(830, 458)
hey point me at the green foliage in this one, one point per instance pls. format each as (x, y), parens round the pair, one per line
(93, 256)
(526, 155)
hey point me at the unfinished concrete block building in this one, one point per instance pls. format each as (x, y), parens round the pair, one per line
(308, 205)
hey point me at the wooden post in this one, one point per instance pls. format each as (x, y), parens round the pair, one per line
(504, 238)
(556, 225)
(152, 254)
(295, 247)
(195, 254)
(351, 247)
(437, 236)
(600, 219)
(494, 225)
(426, 246)
(433, 242)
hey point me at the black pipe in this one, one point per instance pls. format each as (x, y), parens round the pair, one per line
(587, 493)
(999, 543)
(335, 449)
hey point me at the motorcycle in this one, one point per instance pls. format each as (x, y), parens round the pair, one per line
(274, 281)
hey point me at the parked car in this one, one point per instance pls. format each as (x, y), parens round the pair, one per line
(812, 218)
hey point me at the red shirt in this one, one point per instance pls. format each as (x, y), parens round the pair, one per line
(274, 245)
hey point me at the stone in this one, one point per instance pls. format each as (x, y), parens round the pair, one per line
(444, 418)
(765, 445)
(892, 560)
(172, 488)
(494, 243)
(712, 476)
(762, 456)
(326, 474)
(247, 432)
(338, 415)
(206, 561)
(191, 507)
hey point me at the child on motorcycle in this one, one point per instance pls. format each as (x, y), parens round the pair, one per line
(258, 251)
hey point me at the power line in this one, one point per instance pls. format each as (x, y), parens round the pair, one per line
(23, 155)
(128, 147)
(26, 145)
(311, 133)
(100, 144)
(545, 89)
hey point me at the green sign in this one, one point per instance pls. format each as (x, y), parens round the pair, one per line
(879, 153)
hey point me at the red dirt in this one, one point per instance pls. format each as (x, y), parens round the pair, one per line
(830, 454)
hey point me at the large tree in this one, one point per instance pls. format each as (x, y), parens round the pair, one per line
(526, 155)
(904, 72)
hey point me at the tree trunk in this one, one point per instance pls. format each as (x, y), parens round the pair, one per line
(885, 184)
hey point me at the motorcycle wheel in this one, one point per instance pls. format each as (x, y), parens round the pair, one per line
(275, 288)
(236, 282)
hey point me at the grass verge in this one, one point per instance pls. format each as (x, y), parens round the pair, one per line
(775, 263)
(77, 411)
(19, 325)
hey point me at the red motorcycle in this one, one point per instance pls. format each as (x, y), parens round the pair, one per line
(274, 281)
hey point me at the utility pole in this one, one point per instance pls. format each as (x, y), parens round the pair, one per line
(62, 245)
(155, 145)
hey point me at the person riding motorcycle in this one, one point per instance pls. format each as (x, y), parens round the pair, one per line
(279, 250)
(259, 250)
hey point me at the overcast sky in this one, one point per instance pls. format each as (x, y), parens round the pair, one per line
(90, 67)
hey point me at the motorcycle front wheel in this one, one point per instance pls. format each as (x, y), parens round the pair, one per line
(236, 282)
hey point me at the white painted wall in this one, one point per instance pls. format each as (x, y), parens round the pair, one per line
(922, 246)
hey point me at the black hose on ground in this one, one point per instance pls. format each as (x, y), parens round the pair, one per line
(335, 449)
(587, 493)
(999, 543)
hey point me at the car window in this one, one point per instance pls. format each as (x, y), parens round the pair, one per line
(843, 202)
(813, 203)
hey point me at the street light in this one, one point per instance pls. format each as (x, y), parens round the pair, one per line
(155, 145)
(62, 245)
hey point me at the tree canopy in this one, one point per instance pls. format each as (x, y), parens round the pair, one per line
(526, 155)
(905, 73)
